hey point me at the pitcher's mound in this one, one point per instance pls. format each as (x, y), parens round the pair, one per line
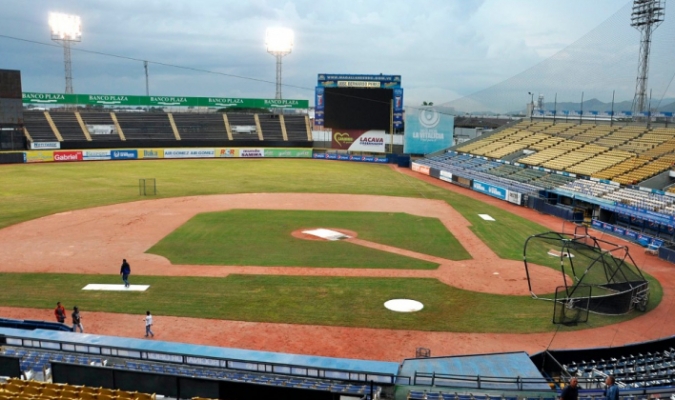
(324, 234)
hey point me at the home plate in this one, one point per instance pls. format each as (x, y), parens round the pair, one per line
(404, 305)
(121, 288)
(327, 234)
(486, 217)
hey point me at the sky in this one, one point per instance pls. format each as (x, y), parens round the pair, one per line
(443, 49)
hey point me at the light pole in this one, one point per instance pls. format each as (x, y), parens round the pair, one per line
(279, 43)
(531, 104)
(647, 15)
(66, 29)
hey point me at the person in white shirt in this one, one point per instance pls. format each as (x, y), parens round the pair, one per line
(148, 324)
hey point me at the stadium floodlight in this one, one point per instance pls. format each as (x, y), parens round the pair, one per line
(279, 43)
(647, 15)
(66, 29)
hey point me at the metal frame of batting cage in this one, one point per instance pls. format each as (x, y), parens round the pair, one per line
(629, 292)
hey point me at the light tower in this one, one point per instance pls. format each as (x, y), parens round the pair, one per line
(646, 17)
(66, 29)
(279, 42)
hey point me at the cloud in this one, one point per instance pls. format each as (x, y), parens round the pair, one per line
(442, 48)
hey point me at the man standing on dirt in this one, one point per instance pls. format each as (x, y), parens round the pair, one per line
(60, 312)
(125, 271)
(77, 320)
(148, 324)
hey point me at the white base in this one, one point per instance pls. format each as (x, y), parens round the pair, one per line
(404, 305)
(120, 288)
(486, 217)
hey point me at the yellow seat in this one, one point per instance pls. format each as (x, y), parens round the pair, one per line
(88, 395)
(126, 395)
(145, 396)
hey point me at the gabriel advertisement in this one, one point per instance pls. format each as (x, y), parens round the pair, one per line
(372, 141)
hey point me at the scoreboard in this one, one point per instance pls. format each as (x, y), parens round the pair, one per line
(363, 102)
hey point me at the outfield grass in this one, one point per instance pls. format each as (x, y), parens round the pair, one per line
(263, 238)
(335, 301)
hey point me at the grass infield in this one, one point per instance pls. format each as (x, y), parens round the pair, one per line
(335, 301)
(263, 238)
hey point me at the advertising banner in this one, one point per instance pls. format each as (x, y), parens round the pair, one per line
(514, 197)
(398, 108)
(151, 153)
(45, 145)
(67, 156)
(227, 153)
(251, 153)
(319, 106)
(493, 191)
(189, 153)
(124, 154)
(422, 169)
(427, 131)
(39, 156)
(360, 81)
(96, 155)
(160, 101)
(288, 153)
(102, 129)
(359, 140)
(446, 176)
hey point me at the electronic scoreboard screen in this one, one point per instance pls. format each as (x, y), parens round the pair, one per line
(355, 108)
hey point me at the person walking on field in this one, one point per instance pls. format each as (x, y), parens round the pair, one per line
(77, 320)
(148, 324)
(60, 313)
(125, 271)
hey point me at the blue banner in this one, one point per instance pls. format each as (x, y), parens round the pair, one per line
(427, 131)
(319, 106)
(124, 154)
(493, 191)
(398, 108)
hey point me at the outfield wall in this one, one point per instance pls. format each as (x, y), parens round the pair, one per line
(61, 155)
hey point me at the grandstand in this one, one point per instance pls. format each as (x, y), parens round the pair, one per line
(101, 129)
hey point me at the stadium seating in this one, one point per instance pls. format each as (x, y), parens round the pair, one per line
(38, 127)
(29, 389)
(39, 360)
(68, 126)
(98, 126)
(200, 126)
(145, 125)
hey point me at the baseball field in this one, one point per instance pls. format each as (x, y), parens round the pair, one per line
(219, 242)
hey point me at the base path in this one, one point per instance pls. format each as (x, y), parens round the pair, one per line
(93, 241)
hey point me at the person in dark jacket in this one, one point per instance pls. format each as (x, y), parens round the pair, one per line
(77, 320)
(125, 271)
(571, 391)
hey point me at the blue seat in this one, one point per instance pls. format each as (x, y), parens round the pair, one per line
(415, 395)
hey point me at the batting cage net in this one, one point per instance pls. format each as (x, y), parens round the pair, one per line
(571, 309)
(588, 268)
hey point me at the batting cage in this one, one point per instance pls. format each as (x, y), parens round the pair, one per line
(594, 275)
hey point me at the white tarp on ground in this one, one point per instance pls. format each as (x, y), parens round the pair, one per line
(121, 288)
(403, 305)
(327, 234)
